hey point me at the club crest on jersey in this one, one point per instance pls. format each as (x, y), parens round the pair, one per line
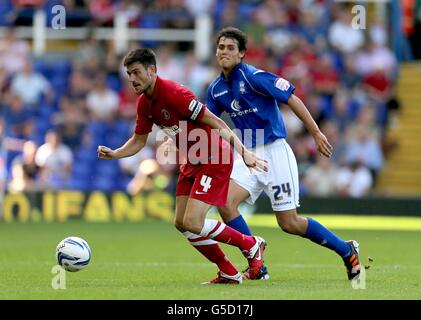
(165, 114)
(235, 105)
(242, 87)
(282, 84)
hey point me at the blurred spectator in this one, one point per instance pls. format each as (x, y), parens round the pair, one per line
(25, 171)
(320, 178)
(314, 105)
(78, 89)
(342, 36)
(102, 102)
(336, 139)
(304, 151)
(325, 78)
(229, 15)
(354, 181)
(311, 27)
(23, 11)
(70, 123)
(256, 54)
(378, 31)
(112, 60)
(366, 120)
(169, 66)
(155, 172)
(293, 124)
(296, 66)
(77, 13)
(90, 49)
(375, 57)
(196, 75)
(341, 114)
(19, 122)
(393, 107)
(349, 77)
(377, 84)
(149, 177)
(130, 165)
(176, 16)
(416, 35)
(366, 150)
(55, 160)
(102, 12)
(131, 10)
(4, 84)
(271, 14)
(31, 87)
(127, 107)
(13, 52)
(280, 33)
(199, 8)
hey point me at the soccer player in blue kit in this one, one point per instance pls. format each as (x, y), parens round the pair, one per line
(250, 97)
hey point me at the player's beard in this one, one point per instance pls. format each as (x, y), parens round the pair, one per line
(140, 89)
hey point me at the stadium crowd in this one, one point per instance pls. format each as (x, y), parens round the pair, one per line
(55, 113)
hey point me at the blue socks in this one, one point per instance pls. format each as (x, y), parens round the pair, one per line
(240, 225)
(319, 234)
(316, 232)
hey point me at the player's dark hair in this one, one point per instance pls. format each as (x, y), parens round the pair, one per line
(233, 33)
(144, 56)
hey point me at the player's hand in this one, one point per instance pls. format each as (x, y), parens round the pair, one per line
(106, 153)
(253, 161)
(168, 146)
(323, 146)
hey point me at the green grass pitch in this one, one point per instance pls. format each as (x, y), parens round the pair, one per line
(152, 261)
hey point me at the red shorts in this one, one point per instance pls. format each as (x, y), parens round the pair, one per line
(206, 182)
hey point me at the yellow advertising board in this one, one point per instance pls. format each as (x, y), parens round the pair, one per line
(60, 206)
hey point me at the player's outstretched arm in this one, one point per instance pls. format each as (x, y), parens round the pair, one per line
(298, 107)
(250, 158)
(131, 147)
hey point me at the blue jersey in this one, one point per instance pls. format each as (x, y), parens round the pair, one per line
(250, 96)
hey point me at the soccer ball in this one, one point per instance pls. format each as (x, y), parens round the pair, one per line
(73, 254)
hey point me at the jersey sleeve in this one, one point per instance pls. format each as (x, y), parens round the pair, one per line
(272, 85)
(188, 105)
(212, 105)
(143, 124)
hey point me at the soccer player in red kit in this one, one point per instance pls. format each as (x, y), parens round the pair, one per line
(204, 172)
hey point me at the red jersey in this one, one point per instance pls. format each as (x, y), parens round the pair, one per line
(176, 110)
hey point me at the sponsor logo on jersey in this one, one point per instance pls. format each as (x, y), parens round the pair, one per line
(282, 84)
(282, 203)
(235, 105)
(220, 93)
(243, 112)
(171, 131)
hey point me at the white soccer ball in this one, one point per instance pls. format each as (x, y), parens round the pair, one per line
(73, 254)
